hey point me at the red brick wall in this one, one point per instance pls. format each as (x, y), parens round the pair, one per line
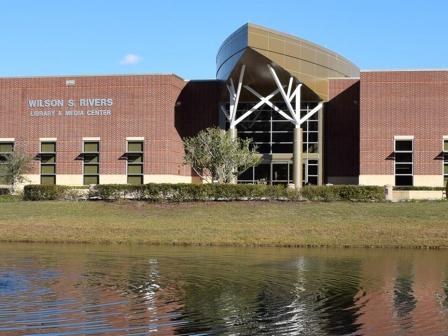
(143, 106)
(341, 129)
(198, 106)
(403, 103)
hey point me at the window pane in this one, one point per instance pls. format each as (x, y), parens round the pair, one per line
(263, 148)
(312, 180)
(248, 175)
(135, 180)
(403, 168)
(91, 179)
(403, 145)
(312, 170)
(48, 158)
(48, 169)
(135, 169)
(312, 148)
(313, 137)
(403, 157)
(134, 146)
(48, 147)
(282, 148)
(280, 172)
(445, 168)
(263, 172)
(91, 146)
(445, 145)
(404, 180)
(6, 147)
(91, 158)
(48, 179)
(282, 137)
(91, 169)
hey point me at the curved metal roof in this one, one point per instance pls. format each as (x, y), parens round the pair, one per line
(257, 46)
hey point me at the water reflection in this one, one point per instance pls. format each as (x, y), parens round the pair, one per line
(66, 290)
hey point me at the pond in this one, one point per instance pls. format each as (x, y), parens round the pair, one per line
(141, 290)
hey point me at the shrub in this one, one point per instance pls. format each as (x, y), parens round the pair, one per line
(405, 188)
(184, 192)
(36, 192)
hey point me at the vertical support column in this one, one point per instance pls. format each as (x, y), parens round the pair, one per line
(298, 146)
(297, 157)
(233, 135)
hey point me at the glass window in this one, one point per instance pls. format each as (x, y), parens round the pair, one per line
(91, 147)
(280, 172)
(403, 145)
(135, 146)
(91, 169)
(47, 162)
(48, 147)
(5, 149)
(135, 169)
(404, 162)
(445, 161)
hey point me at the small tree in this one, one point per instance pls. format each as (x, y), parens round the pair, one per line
(17, 164)
(216, 157)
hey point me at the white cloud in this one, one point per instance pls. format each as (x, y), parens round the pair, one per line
(131, 59)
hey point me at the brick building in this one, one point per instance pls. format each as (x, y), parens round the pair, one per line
(313, 115)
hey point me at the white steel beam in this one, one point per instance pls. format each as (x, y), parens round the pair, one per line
(283, 93)
(269, 103)
(311, 113)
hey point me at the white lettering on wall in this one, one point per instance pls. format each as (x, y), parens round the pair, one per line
(74, 107)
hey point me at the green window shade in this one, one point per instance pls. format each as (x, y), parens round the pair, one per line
(91, 169)
(48, 147)
(48, 169)
(48, 179)
(91, 147)
(6, 147)
(2, 174)
(134, 146)
(94, 179)
(135, 180)
(135, 158)
(48, 159)
(91, 158)
(445, 168)
(135, 169)
(445, 145)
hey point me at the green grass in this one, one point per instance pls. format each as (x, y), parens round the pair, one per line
(417, 224)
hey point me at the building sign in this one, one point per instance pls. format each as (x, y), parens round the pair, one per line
(70, 107)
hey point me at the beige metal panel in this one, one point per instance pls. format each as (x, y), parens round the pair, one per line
(308, 62)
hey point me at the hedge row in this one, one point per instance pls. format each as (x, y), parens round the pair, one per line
(208, 192)
(411, 188)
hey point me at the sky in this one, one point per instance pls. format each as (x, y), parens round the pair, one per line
(122, 37)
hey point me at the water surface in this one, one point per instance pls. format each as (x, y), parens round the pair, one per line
(116, 290)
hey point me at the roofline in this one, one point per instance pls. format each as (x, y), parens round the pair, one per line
(92, 75)
(314, 44)
(350, 78)
(403, 70)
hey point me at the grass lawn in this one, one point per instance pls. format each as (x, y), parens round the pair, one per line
(423, 224)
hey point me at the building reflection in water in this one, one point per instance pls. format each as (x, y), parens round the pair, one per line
(162, 291)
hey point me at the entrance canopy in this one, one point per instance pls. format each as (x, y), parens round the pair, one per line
(256, 47)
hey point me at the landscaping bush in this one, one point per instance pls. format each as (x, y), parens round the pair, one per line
(36, 192)
(184, 192)
(232, 192)
(406, 188)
